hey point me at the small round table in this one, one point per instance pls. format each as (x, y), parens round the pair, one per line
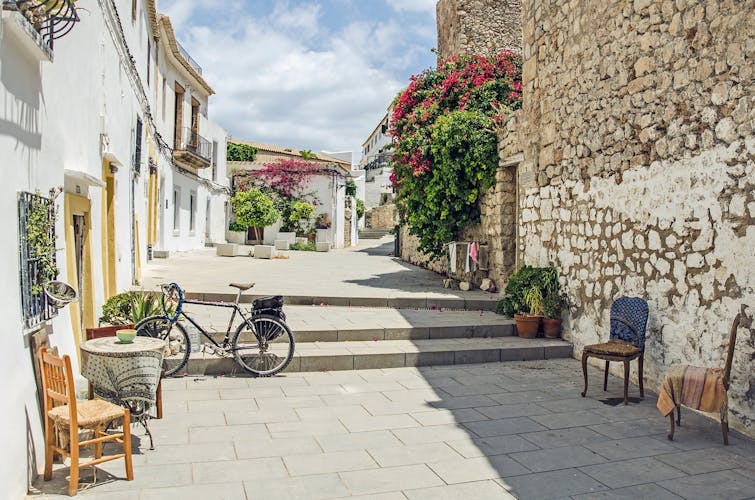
(125, 374)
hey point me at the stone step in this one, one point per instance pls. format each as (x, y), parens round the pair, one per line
(355, 355)
(472, 301)
(373, 233)
(340, 324)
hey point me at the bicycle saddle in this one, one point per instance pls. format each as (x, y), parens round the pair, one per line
(241, 286)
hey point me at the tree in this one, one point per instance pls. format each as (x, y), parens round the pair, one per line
(253, 208)
(240, 152)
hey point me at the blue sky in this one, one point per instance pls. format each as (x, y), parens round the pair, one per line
(314, 75)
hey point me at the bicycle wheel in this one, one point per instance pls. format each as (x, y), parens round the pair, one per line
(263, 346)
(177, 346)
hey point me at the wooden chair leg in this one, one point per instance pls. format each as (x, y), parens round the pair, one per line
(678, 415)
(641, 362)
(159, 399)
(49, 450)
(73, 481)
(91, 391)
(99, 431)
(605, 378)
(671, 422)
(725, 428)
(626, 382)
(127, 445)
(584, 371)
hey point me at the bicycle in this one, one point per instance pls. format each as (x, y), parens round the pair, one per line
(263, 344)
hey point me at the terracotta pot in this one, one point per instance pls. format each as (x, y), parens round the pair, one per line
(527, 326)
(552, 327)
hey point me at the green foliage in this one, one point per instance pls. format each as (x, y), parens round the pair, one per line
(240, 152)
(130, 307)
(253, 208)
(520, 296)
(351, 188)
(360, 208)
(306, 247)
(443, 126)
(533, 298)
(235, 226)
(307, 154)
(40, 237)
(301, 210)
(554, 304)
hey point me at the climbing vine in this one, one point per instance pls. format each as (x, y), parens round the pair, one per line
(443, 125)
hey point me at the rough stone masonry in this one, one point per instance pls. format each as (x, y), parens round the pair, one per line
(634, 169)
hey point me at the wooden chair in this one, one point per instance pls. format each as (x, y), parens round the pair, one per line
(629, 317)
(98, 333)
(64, 416)
(713, 380)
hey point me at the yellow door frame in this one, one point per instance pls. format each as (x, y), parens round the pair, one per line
(108, 232)
(78, 205)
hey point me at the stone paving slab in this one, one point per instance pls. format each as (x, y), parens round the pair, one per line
(400, 433)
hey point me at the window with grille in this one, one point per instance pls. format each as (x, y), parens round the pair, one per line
(138, 147)
(36, 256)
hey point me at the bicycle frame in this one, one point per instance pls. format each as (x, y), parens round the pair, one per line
(205, 333)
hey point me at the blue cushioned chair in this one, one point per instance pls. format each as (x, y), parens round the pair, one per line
(629, 318)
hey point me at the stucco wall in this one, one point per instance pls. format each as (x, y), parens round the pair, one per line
(638, 172)
(482, 27)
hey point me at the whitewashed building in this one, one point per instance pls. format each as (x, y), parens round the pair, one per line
(81, 113)
(376, 155)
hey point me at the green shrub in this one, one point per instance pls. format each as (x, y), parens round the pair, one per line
(240, 152)
(253, 208)
(130, 307)
(305, 247)
(360, 208)
(519, 288)
(235, 226)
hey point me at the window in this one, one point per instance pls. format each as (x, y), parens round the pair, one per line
(138, 146)
(176, 210)
(192, 211)
(165, 92)
(215, 161)
(36, 227)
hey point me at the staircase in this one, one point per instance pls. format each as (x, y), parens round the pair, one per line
(373, 234)
(360, 335)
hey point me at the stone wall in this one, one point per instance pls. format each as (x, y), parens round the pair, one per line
(381, 217)
(482, 27)
(639, 171)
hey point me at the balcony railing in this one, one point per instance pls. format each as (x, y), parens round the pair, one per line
(193, 149)
(194, 64)
(52, 19)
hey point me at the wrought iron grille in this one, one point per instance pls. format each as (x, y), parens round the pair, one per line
(53, 19)
(36, 308)
(195, 143)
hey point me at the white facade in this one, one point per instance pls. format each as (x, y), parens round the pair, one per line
(376, 151)
(69, 118)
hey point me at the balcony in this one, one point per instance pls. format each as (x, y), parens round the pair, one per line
(192, 150)
(42, 22)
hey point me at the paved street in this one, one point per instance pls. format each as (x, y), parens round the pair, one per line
(500, 430)
(364, 271)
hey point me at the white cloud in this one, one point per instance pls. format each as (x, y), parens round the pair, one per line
(412, 5)
(288, 79)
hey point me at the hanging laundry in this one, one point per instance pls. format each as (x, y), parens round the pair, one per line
(466, 258)
(452, 256)
(474, 249)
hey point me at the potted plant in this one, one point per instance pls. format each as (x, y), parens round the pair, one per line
(236, 233)
(323, 221)
(553, 306)
(254, 209)
(301, 213)
(527, 324)
(525, 296)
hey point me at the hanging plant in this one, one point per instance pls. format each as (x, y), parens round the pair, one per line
(351, 188)
(40, 238)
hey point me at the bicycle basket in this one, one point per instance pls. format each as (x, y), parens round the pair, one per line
(275, 303)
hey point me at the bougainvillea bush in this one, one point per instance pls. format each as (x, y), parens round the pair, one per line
(445, 147)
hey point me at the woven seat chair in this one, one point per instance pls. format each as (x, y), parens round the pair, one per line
(704, 389)
(629, 317)
(64, 416)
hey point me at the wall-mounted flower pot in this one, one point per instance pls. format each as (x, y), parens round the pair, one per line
(552, 328)
(527, 326)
